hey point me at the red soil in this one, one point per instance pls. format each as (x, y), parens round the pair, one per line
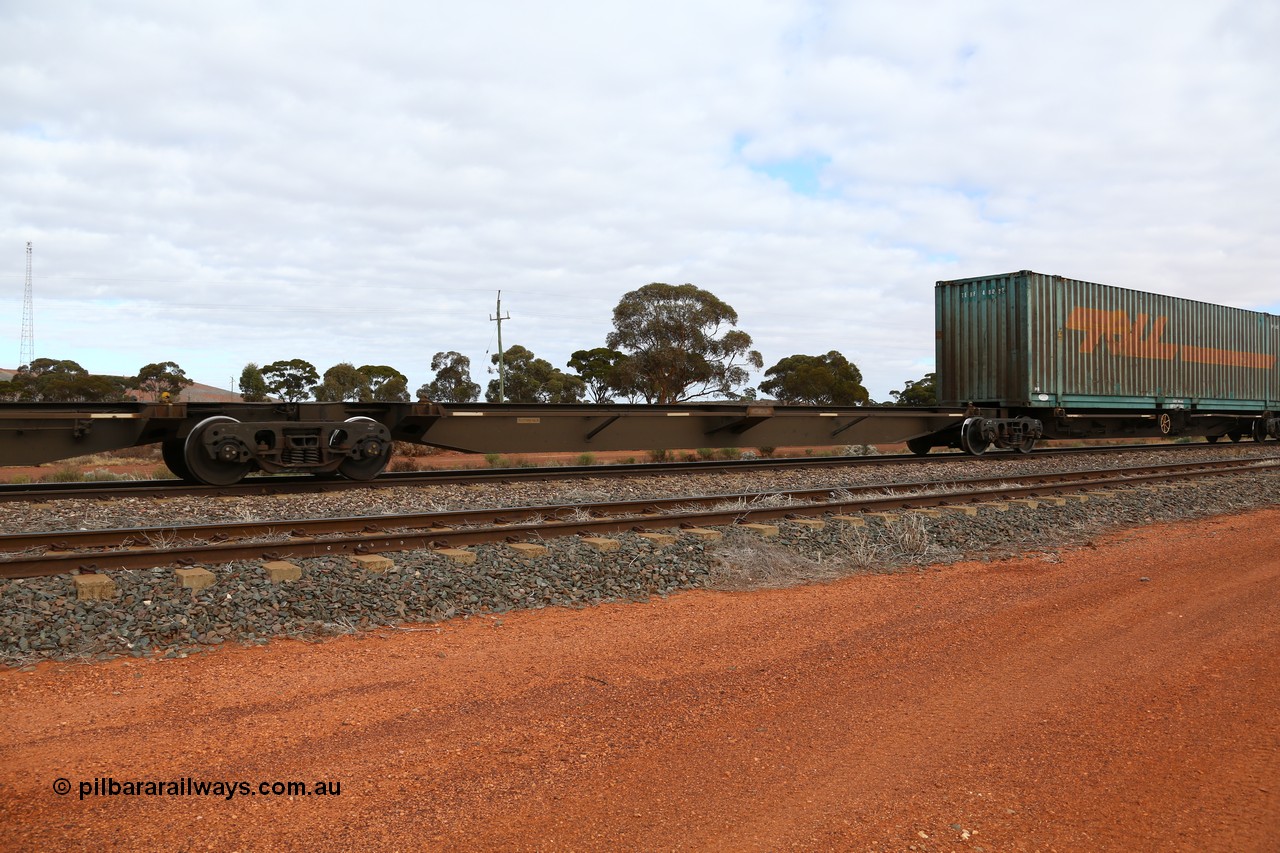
(1019, 705)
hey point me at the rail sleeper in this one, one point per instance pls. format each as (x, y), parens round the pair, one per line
(373, 563)
(195, 578)
(95, 587)
(280, 571)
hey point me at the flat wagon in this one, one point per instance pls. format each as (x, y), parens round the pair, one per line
(1020, 356)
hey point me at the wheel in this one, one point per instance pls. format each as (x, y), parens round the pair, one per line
(203, 469)
(919, 446)
(1235, 435)
(971, 440)
(1026, 445)
(376, 455)
(172, 451)
(1259, 431)
(1212, 439)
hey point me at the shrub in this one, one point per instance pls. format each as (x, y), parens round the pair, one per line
(495, 460)
(766, 452)
(706, 453)
(730, 453)
(585, 459)
(64, 474)
(101, 475)
(659, 456)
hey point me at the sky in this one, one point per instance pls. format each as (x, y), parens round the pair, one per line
(223, 183)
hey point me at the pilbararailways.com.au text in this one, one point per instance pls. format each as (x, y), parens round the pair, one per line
(107, 786)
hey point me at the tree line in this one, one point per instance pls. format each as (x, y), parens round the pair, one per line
(51, 380)
(669, 344)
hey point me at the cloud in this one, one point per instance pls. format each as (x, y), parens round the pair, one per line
(221, 184)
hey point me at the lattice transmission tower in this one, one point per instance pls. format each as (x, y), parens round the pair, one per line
(27, 353)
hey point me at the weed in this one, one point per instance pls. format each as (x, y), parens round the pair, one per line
(743, 561)
(730, 453)
(577, 516)
(659, 456)
(65, 473)
(585, 459)
(495, 460)
(766, 451)
(162, 540)
(100, 475)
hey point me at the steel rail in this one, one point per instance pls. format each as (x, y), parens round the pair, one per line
(301, 484)
(628, 515)
(69, 540)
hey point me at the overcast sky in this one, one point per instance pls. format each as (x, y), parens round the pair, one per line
(220, 183)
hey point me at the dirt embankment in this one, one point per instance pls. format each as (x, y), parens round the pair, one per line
(1021, 705)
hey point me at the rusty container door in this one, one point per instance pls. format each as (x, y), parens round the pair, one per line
(980, 337)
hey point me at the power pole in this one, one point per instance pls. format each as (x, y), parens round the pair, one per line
(27, 349)
(502, 371)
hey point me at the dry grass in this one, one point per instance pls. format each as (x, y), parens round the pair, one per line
(746, 561)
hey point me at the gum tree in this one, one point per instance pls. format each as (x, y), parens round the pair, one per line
(680, 344)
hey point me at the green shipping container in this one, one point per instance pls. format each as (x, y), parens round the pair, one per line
(1029, 339)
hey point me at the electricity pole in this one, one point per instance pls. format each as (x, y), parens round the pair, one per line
(502, 371)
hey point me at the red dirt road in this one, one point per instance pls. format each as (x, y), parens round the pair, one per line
(1022, 705)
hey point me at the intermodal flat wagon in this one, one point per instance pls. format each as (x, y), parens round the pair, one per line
(1020, 357)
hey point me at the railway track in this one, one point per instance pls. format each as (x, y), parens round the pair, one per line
(280, 485)
(50, 553)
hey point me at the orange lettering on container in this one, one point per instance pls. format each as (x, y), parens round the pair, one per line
(1227, 358)
(1130, 337)
(1121, 335)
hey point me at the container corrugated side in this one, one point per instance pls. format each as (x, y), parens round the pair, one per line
(1027, 338)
